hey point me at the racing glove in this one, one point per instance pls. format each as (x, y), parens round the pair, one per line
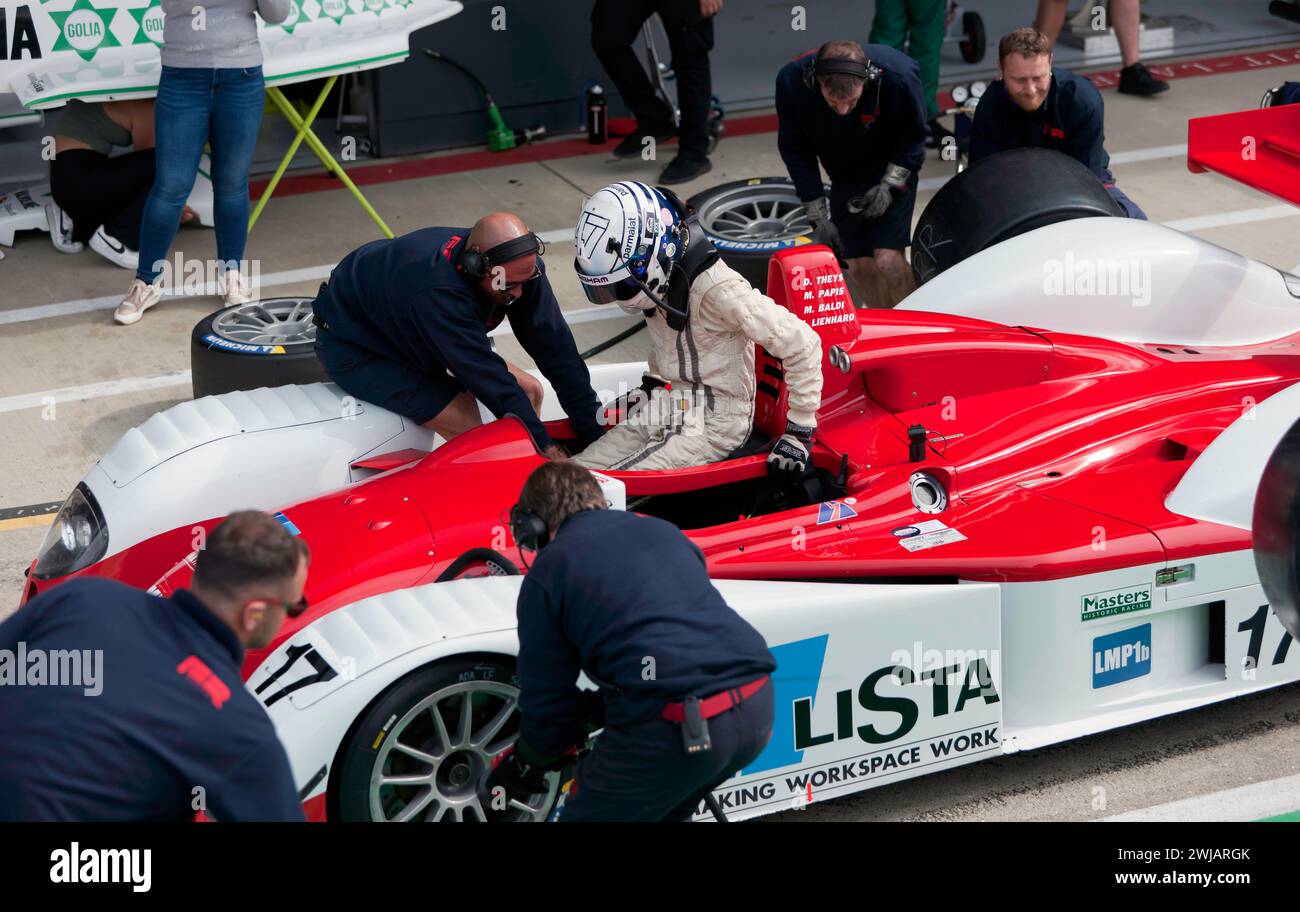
(873, 203)
(517, 773)
(789, 458)
(824, 230)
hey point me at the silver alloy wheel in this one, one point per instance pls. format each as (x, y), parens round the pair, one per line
(761, 212)
(272, 321)
(431, 760)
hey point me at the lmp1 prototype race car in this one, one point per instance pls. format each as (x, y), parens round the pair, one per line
(1028, 521)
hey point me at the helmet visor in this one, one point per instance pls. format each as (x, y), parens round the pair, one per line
(601, 290)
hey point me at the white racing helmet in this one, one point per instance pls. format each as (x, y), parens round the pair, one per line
(626, 231)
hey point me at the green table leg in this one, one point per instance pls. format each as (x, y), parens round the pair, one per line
(305, 134)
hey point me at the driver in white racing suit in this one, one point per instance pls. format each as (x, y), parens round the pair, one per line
(640, 246)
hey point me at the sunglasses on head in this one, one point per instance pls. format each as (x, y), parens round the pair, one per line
(292, 610)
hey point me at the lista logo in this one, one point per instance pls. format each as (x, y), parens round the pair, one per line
(1121, 656)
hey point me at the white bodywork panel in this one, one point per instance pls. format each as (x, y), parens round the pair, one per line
(241, 450)
(1149, 283)
(264, 449)
(1057, 634)
(840, 635)
(1033, 664)
(1220, 485)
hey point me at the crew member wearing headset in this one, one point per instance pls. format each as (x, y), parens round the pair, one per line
(404, 323)
(685, 699)
(641, 247)
(859, 112)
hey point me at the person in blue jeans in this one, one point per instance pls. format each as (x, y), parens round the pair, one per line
(211, 92)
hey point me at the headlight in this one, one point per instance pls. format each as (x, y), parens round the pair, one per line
(78, 538)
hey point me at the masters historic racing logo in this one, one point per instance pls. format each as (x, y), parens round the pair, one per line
(1115, 601)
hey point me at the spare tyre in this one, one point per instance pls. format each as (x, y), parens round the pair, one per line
(1000, 197)
(266, 343)
(749, 220)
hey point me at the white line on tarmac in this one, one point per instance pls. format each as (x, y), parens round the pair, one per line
(179, 378)
(1248, 802)
(1141, 155)
(85, 305)
(1238, 217)
(93, 391)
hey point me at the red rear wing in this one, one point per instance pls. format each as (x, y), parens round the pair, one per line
(1259, 148)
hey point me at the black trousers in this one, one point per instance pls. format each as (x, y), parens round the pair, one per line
(97, 190)
(615, 25)
(642, 773)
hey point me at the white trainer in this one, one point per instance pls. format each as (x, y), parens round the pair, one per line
(113, 250)
(235, 289)
(60, 226)
(140, 298)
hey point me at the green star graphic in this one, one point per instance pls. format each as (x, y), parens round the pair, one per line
(341, 5)
(142, 36)
(375, 6)
(84, 29)
(297, 16)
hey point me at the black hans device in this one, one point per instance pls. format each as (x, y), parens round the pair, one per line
(695, 728)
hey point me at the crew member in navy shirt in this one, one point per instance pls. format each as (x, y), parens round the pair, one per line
(404, 323)
(860, 113)
(152, 721)
(626, 599)
(1038, 105)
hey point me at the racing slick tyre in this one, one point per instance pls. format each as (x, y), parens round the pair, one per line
(1274, 525)
(266, 343)
(477, 562)
(417, 752)
(973, 43)
(749, 220)
(1000, 197)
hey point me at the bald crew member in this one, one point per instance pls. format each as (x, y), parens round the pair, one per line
(404, 323)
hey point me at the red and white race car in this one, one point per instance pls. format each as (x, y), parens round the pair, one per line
(1029, 522)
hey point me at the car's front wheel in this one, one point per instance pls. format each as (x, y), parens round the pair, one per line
(416, 754)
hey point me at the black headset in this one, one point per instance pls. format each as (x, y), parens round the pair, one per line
(475, 264)
(528, 528)
(865, 70)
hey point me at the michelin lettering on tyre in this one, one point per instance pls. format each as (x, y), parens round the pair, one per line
(214, 341)
(1114, 602)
